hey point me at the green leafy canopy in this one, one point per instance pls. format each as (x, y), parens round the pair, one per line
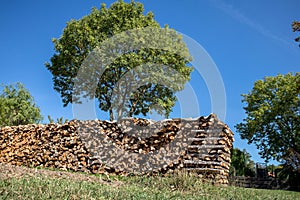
(273, 118)
(17, 106)
(241, 163)
(81, 37)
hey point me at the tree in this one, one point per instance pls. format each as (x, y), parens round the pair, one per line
(83, 36)
(273, 121)
(17, 106)
(60, 120)
(296, 27)
(241, 163)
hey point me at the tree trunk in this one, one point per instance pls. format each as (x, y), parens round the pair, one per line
(111, 114)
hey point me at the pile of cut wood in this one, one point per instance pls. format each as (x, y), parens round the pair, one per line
(128, 146)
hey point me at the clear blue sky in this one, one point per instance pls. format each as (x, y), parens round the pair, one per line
(247, 40)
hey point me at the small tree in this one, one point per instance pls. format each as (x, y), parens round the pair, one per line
(60, 120)
(17, 106)
(241, 163)
(273, 118)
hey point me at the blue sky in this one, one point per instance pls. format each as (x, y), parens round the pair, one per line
(247, 40)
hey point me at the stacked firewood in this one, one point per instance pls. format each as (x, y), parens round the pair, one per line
(209, 151)
(130, 145)
(36, 145)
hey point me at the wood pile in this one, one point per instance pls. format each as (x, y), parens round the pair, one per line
(36, 145)
(131, 145)
(209, 151)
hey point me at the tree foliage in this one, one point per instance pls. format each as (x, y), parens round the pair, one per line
(60, 120)
(81, 37)
(273, 118)
(241, 163)
(17, 106)
(296, 27)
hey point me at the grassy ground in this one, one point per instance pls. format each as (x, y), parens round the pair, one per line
(182, 186)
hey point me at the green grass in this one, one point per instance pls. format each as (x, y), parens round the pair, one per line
(183, 186)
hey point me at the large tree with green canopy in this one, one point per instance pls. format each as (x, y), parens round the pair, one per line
(17, 106)
(273, 118)
(81, 37)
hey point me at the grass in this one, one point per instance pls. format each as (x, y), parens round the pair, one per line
(182, 186)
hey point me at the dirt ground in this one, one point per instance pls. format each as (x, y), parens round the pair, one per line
(8, 171)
